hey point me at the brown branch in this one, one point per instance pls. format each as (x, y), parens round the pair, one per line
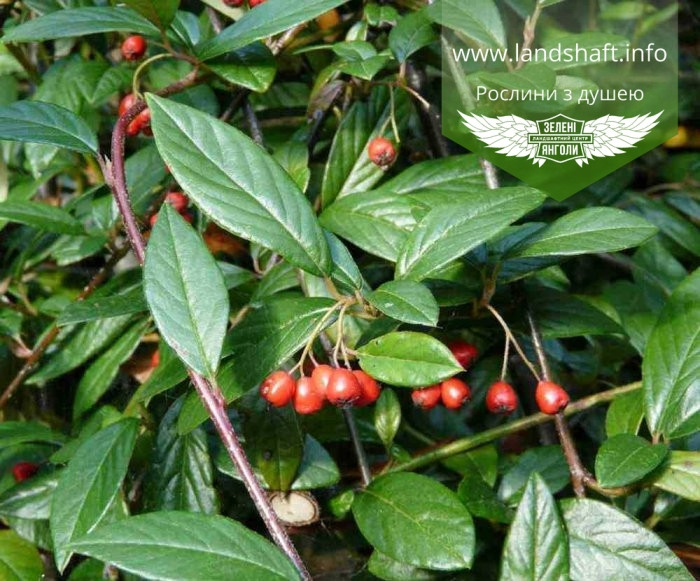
(51, 335)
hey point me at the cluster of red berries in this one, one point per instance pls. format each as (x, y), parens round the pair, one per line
(239, 3)
(338, 386)
(179, 202)
(134, 47)
(381, 152)
(23, 470)
(141, 123)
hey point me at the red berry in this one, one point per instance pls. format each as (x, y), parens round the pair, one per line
(134, 47)
(254, 3)
(23, 470)
(177, 200)
(321, 375)
(278, 389)
(454, 393)
(155, 358)
(187, 217)
(153, 219)
(343, 388)
(426, 398)
(382, 152)
(126, 103)
(307, 400)
(551, 398)
(234, 3)
(134, 128)
(465, 353)
(144, 121)
(369, 386)
(501, 398)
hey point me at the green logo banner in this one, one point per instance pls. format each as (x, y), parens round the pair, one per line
(559, 93)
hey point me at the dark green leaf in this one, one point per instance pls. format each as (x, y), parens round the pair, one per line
(79, 22)
(387, 568)
(42, 216)
(345, 271)
(170, 372)
(89, 484)
(478, 20)
(681, 475)
(605, 543)
(129, 302)
(270, 18)
(671, 223)
(481, 500)
(625, 414)
(547, 461)
(245, 190)
(19, 559)
(186, 293)
(252, 67)
(181, 474)
(30, 499)
(624, 459)
(415, 520)
(408, 359)
(587, 231)
(387, 416)
(536, 547)
(317, 468)
(13, 433)
(449, 232)
(159, 12)
(407, 301)
(36, 122)
(413, 32)
(187, 547)
(671, 362)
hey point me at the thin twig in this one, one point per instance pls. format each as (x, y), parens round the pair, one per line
(362, 462)
(253, 124)
(510, 337)
(52, 333)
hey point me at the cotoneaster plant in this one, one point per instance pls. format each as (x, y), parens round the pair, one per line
(260, 320)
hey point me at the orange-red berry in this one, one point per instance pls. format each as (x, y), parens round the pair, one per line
(254, 3)
(465, 353)
(381, 152)
(501, 398)
(134, 47)
(234, 3)
(343, 388)
(278, 388)
(127, 102)
(455, 393)
(177, 200)
(426, 398)
(321, 375)
(551, 398)
(306, 399)
(23, 470)
(369, 386)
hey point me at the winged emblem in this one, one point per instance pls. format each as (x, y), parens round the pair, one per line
(560, 138)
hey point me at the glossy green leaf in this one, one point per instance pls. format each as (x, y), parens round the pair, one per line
(89, 484)
(99, 376)
(387, 568)
(481, 500)
(671, 364)
(244, 190)
(129, 302)
(415, 520)
(30, 499)
(671, 223)
(606, 543)
(406, 301)
(19, 559)
(587, 231)
(170, 372)
(274, 444)
(79, 22)
(547, 461)
(624, 459)
(159, 12)
(270, 18)
(449, 232)
(536, 547)
(283, 326)
(345, 271)
(252, 67)
(180, 476)
(13, 433)
(681, 475)
(317, 468)
(186, 293)
(625, 414)
(478, 20)
(37, 122)
(377, 223)
(42, 216)
(80, 346)
(187, 547)
(413, 32)
(387, 416)
(408, 359)
(293, 156)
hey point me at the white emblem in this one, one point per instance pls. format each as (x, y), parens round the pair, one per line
(560, 138)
